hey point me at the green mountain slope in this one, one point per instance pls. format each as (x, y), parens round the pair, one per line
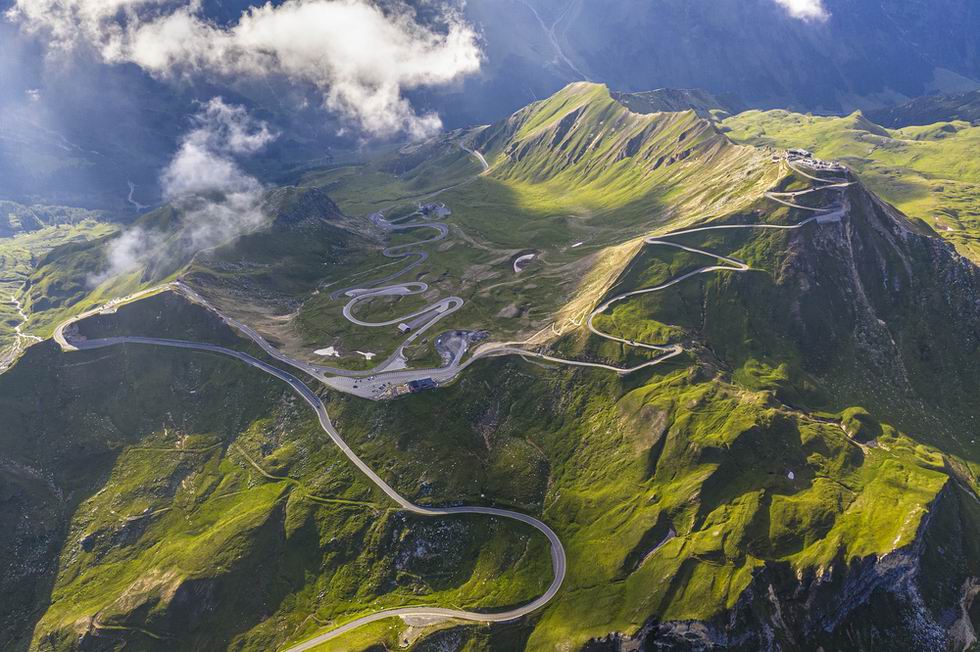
(163, 522)
(581, 146)
(575, 179)
(20, 253)
(803, 472)
(928, 172)
(931, 109)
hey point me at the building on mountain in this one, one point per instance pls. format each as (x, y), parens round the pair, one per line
(435, 210)
(416, 386)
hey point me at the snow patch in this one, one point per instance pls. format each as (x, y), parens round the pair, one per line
(521, 261)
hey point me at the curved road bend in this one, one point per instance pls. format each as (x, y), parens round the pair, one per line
(557, 550)
(558, 560)
(393, 370)
(832, 214)
(397, 253)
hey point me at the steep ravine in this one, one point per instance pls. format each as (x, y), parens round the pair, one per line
(894, 602)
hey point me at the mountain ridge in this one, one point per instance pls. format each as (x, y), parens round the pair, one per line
(802, 460)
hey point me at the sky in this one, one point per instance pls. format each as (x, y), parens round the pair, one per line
(360, 58)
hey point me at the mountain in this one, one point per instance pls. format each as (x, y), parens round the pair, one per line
(792, 465)
(77, 132)
(27, 234)
(931, 109)
(301, 229)
(928, 171)
(672, 100)
(866, 54)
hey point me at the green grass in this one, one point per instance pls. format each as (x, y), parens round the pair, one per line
(929, 172)
(18, 256)
(751, 448)
(204, 501)
(577, 168)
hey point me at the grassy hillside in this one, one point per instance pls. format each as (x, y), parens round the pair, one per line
(671, 491)
(20, 218)
(805, 474)
(163, 522)
(929, 172)
(931, 109)
(569, 178)
(19, 255)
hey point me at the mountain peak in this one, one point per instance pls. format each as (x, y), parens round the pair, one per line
(672, 100)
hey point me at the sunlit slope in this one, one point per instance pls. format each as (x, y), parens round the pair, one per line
(19, 256)
(930, 172)
(804, 474)
(173, 500)
(581, 149)
(575, 180)
(581, 154)
(846, 325)
(680, 495)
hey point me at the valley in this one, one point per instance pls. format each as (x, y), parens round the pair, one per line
(629, 446)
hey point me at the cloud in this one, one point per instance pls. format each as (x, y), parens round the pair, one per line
(805, 9)
(361, 58)
(216, 200)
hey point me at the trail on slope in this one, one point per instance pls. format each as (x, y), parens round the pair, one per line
(832, 214)
(558, 557)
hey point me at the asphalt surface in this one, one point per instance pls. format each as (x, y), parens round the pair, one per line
(558, 559)
(367, 382)
(823, 215)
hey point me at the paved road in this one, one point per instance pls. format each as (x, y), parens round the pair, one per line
(558, 559)
(476, 153)
(441, 307)
(445, 373)
(823, 215)
(104, 309)
(393, 371)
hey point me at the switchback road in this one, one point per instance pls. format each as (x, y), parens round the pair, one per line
(558, 558)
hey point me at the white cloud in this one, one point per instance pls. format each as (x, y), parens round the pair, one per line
(216, 200)
(360, 57)
(805, 9)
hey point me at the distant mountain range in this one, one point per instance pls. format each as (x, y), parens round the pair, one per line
(77, 136)
(930, 109)
(867, 54)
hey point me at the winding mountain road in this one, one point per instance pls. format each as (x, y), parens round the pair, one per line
(823, 215)
(558, 560)
(439, 310)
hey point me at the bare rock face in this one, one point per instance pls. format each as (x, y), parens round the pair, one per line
(291, 206)
(898, 601)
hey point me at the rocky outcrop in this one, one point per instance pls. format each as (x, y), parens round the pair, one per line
(892, 602)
